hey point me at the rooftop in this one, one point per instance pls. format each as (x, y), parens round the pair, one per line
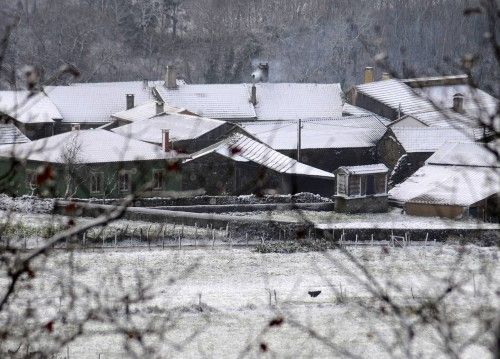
(464, 154)
(10, 134)
(430, 139)
(342, 132)
(86, 146)
(239, 147)
(28, 107)
(181, 127)
(366, 169)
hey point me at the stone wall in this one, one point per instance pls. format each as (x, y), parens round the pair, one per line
(368, 204)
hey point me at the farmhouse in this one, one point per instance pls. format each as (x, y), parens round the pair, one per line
(405, 149)
(361, 189)
(241, 165)
(325, 143)
(187, 133)
(410, 100)
(90, 163)
(459, 180)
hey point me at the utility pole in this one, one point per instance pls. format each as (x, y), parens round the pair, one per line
(299, 139)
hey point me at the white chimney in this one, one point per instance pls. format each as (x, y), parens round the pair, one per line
(386, 76)
(130, 101)
(458, 103)
(165, 140)
(160, 107)
(145, 84)
(368, 75)
(171, 78)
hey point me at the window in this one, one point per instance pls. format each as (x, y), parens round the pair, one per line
(354, 186)
(96, 182)
(124, 184)
(157, 179)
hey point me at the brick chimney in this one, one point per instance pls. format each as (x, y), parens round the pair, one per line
(130, 101)
(458, 103)
(165, 140)
(171, 78)
(368, 75)
(253, 96)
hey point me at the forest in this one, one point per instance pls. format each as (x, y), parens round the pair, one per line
(220, 41)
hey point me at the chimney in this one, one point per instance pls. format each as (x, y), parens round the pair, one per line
(130, 101)
(386, 76)
(159, 107)
(253, 96)
(368, 75)
(458, 103)
(171, 78)
(165, 140)
(145, 84)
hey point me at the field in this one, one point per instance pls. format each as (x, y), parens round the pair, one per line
(218, 303)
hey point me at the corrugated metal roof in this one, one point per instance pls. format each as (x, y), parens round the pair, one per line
(10, 134)
(86, 146)
(239, 147)
(448, 185)
(464, 154)
(293, 101)
(219, 101)
(342, 132)
(96, 102)
(182, 127)
(366, 169)
(430, 139)
(27, 107)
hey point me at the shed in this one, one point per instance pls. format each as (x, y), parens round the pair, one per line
(361, 188)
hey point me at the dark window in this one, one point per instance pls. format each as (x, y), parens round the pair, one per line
(124, 182)
(157, 179)
(96, 182)
(370, 185)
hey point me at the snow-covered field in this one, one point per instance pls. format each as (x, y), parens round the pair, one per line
(237, 291)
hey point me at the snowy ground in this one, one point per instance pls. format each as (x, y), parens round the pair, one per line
(234, 287)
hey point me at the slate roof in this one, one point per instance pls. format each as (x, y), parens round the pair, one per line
(342, 132)
(219, 101)
(10, 134)
(428, 139)
(27, 107)
(239, 147)
(366, 169)
(91, 146)
(293, 101)
(182, 127)
(445, 118)
(145, 111)
(464, 154)
(95, 102)
(448, 185)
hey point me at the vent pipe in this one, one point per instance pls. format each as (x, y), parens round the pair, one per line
(368, 75)
(130, 101)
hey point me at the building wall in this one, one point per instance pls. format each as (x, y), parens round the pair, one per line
(56, 180)
(434, 210)
(370, 104)
(205, 140)
(367, 204)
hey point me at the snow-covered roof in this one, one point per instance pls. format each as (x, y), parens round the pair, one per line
(239, 147)
(365, 169)
(86, 146)
(181, 127)
(342, 132)
(28, 107)
(145, 111)
(10, 134)
(351, 110)
(220, 101)
(395, 94)
(96, 102)
(293, 101)
(429, 139)
(465, 154)
(448, 185)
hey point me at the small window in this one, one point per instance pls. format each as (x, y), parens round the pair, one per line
(96, 182)
(157, 179)
(341, 184)
(354, 186)
(124, 184)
